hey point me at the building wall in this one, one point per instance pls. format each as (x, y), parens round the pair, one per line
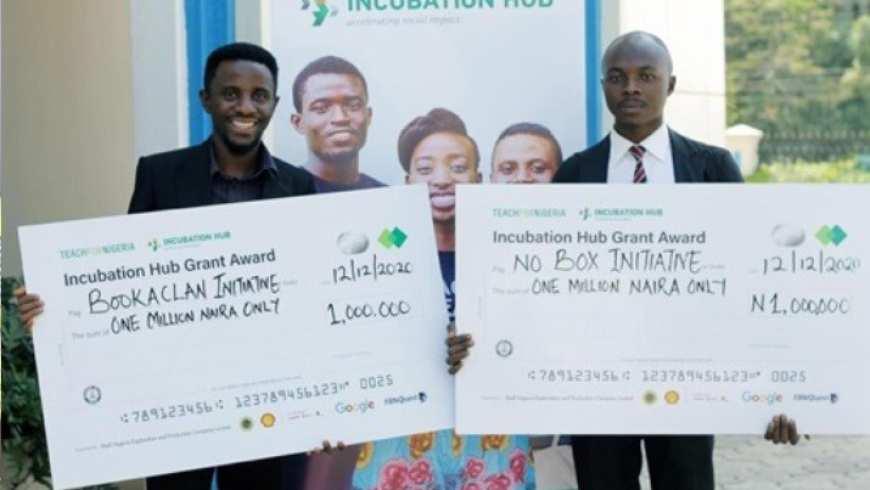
(695, 34)
(160, 98)
(67, 122)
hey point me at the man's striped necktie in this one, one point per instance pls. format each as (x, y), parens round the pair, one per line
(637, 152)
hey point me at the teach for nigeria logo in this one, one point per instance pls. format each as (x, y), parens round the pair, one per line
(320, 11)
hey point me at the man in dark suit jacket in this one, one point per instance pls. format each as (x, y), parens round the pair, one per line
(641, 149)
(185, 178)
(233, 165)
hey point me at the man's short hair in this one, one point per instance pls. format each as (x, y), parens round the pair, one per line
(438, 120)
(636, 36)
(236, 52)
(332, 65)
(533, 129)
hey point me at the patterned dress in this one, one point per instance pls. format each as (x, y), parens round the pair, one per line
(443, 460)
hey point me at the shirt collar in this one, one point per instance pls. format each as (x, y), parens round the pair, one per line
(265, 165)
(657, 144)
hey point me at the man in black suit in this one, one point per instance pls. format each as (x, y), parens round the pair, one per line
(641, 149)
(232, 165)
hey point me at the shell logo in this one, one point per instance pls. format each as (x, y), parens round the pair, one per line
(267, 420)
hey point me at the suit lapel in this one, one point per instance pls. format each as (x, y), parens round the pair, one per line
(192, 185)
(685, 168)
(596, 170)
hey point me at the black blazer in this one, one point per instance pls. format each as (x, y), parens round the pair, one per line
(182, 178)
(693, 162)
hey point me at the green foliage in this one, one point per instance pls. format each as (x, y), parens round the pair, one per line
(799, 67)
(24, 445)
(844, 171)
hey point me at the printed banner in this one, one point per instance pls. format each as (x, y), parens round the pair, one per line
(493, 63)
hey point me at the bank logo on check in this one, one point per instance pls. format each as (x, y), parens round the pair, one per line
(392, 238)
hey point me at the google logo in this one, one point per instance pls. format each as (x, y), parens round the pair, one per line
(769, 398)
(361, 407)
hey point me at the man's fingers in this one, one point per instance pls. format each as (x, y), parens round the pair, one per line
(458, 339)
(30, 313)
(768, 434)
(783, 429)
(458, 357)
(793, 435)
(453, 349)
(30, 316)
(28, 298)
(29, 305)
(455, 367)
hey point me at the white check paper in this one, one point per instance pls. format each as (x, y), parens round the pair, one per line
(193, 338)
(663, 309)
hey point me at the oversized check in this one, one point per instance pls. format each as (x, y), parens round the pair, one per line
(192, 338)
(663, 309)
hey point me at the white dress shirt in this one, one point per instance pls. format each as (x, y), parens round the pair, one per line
(658, 161)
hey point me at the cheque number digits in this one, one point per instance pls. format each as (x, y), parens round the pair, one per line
(788, 376)
(374, 382)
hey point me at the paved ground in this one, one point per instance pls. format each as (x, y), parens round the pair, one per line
(745, 463)
(742, 463)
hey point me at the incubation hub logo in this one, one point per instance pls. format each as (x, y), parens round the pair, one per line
(320, 11)
(323, 9)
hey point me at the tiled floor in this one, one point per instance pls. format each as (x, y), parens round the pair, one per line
(742, 463)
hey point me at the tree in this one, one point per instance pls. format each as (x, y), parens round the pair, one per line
(797, 70)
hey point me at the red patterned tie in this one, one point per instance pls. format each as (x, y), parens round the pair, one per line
(637, 152)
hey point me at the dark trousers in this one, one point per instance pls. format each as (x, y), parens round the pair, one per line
(281, 473)
(614, 462)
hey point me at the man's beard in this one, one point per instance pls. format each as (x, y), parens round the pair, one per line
(237, 149)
